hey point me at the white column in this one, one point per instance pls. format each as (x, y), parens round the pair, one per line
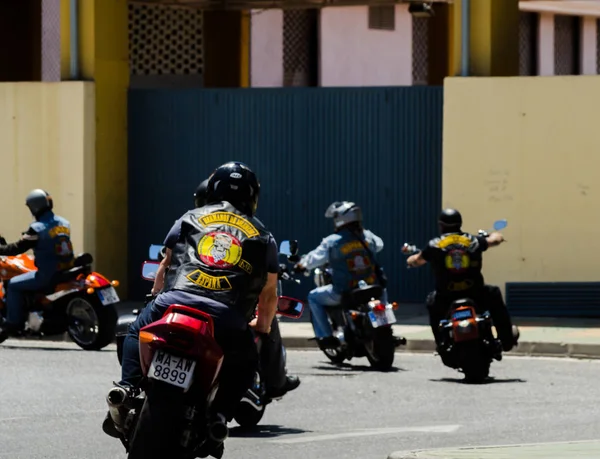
(588, 45)
(266, 48)
(546, 44)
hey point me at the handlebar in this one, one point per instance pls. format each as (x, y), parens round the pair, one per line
(286, 274)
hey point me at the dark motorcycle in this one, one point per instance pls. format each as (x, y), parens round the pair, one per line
(253, 405)
(468, 342)
(362, 324)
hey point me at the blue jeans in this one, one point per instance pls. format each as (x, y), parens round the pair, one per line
(318, 300)
(16, 290)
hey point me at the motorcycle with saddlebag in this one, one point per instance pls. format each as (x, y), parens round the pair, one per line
(80, 302)
(468, 341)
(362, 324)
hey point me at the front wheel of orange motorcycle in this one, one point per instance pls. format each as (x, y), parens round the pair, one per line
(90, 324)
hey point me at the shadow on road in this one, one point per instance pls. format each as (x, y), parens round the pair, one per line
(264, 431)
(344, 367)
(490, 380)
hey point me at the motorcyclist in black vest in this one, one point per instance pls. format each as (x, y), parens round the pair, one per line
(222, 261)
(277, 381)
(463, 280)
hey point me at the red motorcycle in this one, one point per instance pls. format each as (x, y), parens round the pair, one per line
(180, 362)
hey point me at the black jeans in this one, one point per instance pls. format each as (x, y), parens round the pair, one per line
(237, 371)
(272, 359)
(487, 298)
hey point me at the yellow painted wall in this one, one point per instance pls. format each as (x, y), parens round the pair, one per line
(47, 133)
(104, 59)
(527, 149)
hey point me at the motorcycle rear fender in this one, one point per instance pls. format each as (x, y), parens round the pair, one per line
(459, 333)
(96, 280)
(185, 332)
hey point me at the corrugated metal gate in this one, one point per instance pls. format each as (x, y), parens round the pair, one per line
(380, 147)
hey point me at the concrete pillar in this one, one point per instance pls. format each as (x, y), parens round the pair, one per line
(104, 59)
(589, 45)
(494, 37)
(546, 44)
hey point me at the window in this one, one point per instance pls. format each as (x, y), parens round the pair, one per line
(382, 17)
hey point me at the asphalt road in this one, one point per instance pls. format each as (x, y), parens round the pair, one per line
(53, 403)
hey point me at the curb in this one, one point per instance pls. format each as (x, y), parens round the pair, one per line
(539, 349)
(582, 351)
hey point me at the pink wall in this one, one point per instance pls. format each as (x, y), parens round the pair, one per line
(354, 55)
(266, 48)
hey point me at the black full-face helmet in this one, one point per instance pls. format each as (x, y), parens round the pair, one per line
(235, 183)
(200, 194)
(39, 201)
(450, 221)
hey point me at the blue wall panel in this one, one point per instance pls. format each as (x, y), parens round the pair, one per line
(380, 147)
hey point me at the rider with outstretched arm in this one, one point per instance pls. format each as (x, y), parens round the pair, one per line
(456, 258)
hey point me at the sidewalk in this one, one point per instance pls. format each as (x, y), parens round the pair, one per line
(539, 336)
(566, 450)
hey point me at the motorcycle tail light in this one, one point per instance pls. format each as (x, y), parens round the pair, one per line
(379, 307)
(147, 338)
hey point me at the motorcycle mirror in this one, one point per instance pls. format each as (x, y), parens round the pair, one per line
(154, 251)
(290, 307)
(285, 248)
(500, 224)
(149, 269)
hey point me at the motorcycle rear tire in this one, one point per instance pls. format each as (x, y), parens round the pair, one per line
(160, 424)
(475, 363)
(381, 353)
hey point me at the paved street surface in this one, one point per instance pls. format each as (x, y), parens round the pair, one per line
(558, 450)
(53, 404)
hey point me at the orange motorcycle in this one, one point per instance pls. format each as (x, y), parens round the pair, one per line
(80, 302)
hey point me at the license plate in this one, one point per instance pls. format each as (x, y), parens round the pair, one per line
(381, 318)
(108, 296)
(177, 371)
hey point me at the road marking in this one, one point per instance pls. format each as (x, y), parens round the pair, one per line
(368, 433)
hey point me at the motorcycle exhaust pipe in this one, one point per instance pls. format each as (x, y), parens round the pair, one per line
(218, 431)
(116, 398)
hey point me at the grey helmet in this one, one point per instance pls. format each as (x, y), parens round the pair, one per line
(39, 201)
(344, 213)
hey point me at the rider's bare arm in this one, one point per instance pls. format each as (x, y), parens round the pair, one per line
(28, 241)
(495, 239)
(416, 260)
(267, 304)
(159, 280)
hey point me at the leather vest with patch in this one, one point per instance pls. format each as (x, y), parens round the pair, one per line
(220, 254)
